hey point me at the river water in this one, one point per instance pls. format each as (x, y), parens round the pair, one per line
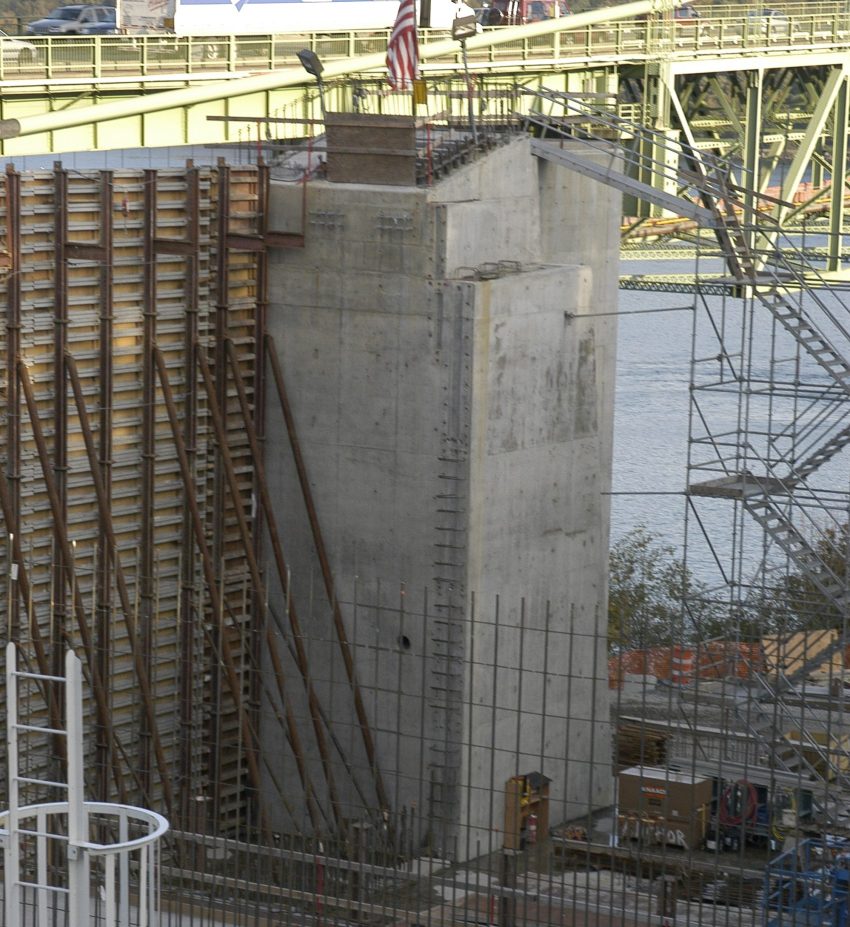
(651, 414)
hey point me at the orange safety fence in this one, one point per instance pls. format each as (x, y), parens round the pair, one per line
(682, 665)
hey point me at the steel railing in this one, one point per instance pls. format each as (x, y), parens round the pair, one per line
(823, 26)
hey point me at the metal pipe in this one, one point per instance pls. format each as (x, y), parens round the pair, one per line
(256, 578)
(327, 573)
(292, 77)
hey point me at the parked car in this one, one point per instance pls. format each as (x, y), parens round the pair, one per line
(74, 20)
(14, 51)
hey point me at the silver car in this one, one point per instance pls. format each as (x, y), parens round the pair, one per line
(14, 51)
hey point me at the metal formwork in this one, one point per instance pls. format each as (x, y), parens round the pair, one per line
(121, 528)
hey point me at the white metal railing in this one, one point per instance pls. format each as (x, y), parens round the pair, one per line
(110, 851)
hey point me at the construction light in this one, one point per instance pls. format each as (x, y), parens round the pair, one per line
(464, 27)
(311, 62)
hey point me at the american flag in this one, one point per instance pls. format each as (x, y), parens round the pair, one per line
(402, 50)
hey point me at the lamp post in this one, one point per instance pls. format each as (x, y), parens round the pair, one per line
(312, 65)
(463, 28)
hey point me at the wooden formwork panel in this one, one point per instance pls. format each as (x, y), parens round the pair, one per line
(61, 294)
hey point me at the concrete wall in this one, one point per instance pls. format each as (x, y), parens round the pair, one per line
(457, 432)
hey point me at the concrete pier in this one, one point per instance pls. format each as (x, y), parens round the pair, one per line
(449, 353)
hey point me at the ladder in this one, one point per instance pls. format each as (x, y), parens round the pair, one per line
(112, 882)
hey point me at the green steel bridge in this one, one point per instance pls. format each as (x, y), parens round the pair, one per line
(768, 89)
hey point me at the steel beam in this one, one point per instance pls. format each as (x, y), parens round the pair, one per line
(752, 152)
(187, 606)
(841, 116)
(102, 465)
(611, 175)
(147, 487)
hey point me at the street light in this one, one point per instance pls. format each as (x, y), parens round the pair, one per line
(463, 28)
(312, 64)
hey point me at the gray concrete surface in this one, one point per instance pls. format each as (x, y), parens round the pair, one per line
(458, 435)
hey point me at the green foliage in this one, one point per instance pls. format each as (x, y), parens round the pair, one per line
(652, 597)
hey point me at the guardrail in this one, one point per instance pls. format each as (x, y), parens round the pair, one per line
(823, 26)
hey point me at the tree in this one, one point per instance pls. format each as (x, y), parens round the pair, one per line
(653, 598)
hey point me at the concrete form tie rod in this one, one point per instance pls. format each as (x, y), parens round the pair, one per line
(295, 741)
(327, 574)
